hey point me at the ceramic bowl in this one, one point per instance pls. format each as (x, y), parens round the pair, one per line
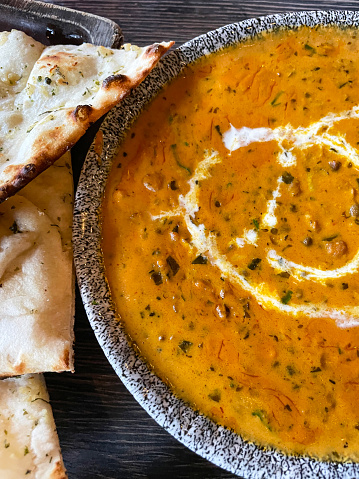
(215, 443)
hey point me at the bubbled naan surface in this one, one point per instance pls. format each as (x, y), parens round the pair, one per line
(36, 275)
(18, 54)
(50, 96)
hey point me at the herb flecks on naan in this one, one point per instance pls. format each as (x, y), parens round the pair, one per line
(36, 275)
(50, 96)
(30, 446)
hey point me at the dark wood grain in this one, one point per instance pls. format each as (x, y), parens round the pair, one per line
(180, 20)
(104, 433)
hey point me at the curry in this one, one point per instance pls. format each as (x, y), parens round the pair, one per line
(231, 239)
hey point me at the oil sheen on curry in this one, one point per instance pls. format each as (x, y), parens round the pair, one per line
(231, 239)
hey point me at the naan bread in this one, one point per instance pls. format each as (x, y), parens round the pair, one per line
(50, 96)
(36, 275)
(29, 446)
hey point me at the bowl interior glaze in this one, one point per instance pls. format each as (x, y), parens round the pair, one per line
(215, 443)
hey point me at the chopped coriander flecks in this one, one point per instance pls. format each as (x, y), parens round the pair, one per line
(172, 263)
(310, 49)
(287, 297)
(287, 178)
(256, 224)
(185, 346)
(200, 260)
(157, 278)
(262, 415)
(176, 157)
(315, 370)
(330, 238)
(254, 263)
(275, 102)
(215, 395)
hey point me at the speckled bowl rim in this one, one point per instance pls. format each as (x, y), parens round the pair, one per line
(215, 443)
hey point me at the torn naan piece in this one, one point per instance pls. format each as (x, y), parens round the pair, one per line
(37, 276)
(50, 96)
(28, 438)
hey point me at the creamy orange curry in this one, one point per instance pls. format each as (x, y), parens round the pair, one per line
(231, 239)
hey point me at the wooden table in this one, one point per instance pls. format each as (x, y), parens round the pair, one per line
(103, 432)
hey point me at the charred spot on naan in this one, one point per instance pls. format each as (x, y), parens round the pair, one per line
(58, 472)
(82, 113)
(69, 88)
(156, 49)
(116, 81)
(47, 148)
(19, 368)
(64, 362)
(22, 175)
(118, 85)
